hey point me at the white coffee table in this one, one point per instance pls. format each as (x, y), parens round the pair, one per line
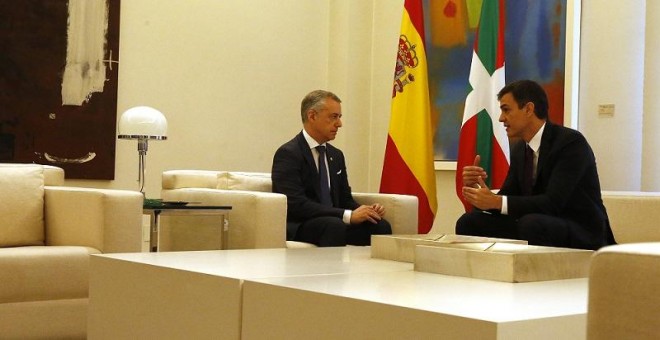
(316, 293)
(197, 295)
(412, 305)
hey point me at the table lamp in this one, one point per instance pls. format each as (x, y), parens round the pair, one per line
(142, 123)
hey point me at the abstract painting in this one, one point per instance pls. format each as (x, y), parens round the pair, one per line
(535, 38)
(58, 84)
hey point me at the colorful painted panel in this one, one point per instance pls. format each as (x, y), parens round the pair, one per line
(535, 49)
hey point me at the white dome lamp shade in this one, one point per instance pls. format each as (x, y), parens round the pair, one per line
(142, 123)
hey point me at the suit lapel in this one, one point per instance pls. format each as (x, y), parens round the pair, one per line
(544, 150)
(309, 159)
(333, 169)
(519, 154)
(306, 152)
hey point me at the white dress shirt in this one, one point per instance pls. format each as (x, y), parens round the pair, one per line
(535, 144)
(315, 153)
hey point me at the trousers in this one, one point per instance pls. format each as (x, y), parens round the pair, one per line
(329, 231)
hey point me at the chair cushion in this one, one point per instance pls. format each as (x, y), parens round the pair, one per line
(176, 179)
(21, 206)
(44, 273)
(249, 181)
(633, 215)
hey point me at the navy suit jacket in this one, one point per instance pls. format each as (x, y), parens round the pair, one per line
(295, 175)
(566, 186)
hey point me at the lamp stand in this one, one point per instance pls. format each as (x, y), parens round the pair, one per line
(143, 146)
(142, 123)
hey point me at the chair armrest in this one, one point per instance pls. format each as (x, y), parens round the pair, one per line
(623, 292)
(104, 219)
(257, 219)
(53, 175)
(400, 210)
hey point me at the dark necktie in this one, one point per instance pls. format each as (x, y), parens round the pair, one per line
(323, 174)
(528, 172)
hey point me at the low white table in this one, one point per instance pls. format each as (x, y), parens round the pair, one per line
(412, 305)
(198, 295)
(317, 293)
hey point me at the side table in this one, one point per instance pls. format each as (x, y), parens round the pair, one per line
(155, 211)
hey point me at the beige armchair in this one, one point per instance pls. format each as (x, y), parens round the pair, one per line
(624, 302)
(47, 232)
(258, 216)
(633, 215)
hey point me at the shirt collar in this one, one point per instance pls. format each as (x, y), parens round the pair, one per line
(310, 141)
(535, 142)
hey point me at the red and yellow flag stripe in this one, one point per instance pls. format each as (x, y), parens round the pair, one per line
(408, 166)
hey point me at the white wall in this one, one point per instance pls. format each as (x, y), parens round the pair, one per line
(612, 72)
(229, 76)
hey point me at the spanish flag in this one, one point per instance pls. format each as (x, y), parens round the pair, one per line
(408, 167)
(481, 132)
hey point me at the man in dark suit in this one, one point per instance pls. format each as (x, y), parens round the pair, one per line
(320, 207)
(551, 195)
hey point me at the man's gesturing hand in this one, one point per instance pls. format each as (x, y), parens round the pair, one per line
(481, 196)
(472, 173)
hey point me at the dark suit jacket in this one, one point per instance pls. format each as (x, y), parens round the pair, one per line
(566, 186)
(295, 175)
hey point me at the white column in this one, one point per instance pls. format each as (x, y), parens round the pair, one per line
(651, 129)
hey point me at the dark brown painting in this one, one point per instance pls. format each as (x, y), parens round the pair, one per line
(58, 84)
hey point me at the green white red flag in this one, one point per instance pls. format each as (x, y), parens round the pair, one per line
(408, 166)
(481, 132)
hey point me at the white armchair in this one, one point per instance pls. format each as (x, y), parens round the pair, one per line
(623, 292)
(258, 216)
(47, 233)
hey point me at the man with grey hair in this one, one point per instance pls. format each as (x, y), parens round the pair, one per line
(312, 175)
